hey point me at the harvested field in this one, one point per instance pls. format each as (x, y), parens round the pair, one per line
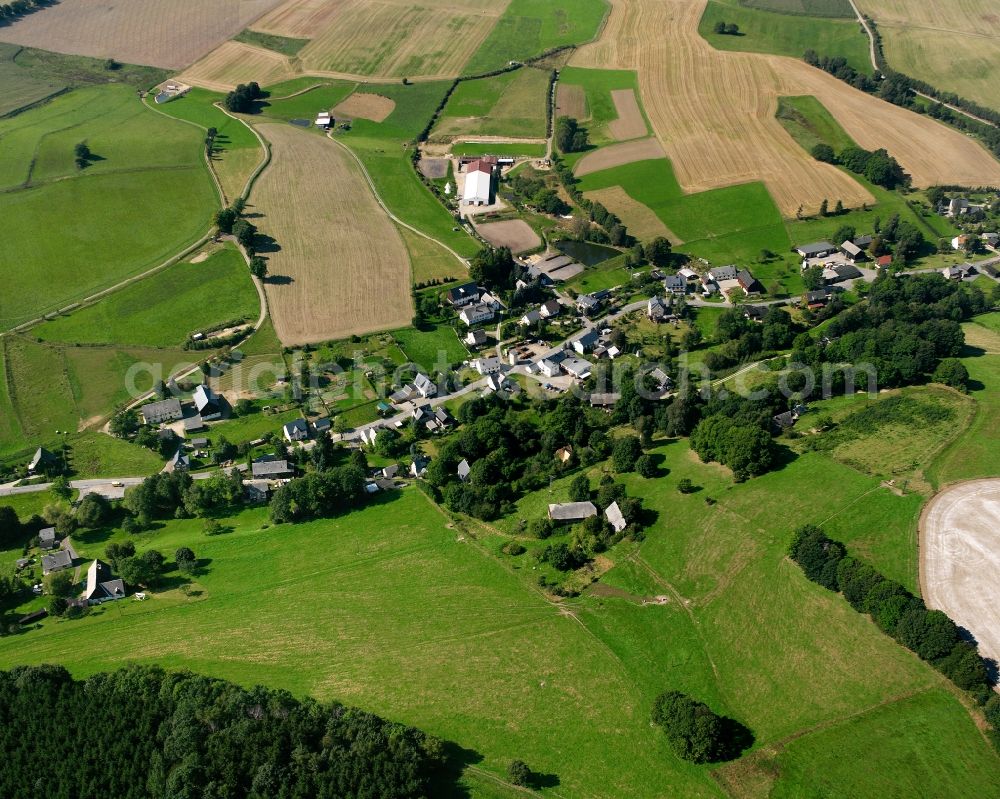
(952, 44)
(720, 129)
(235, 62)
(630, 123)
(299, 19)
(638, 218)
(618, 155)
(571, 101)
(342, 267)
(365, 106)
(960, 559)
(170, 35)
(513, 233)
(396, 39)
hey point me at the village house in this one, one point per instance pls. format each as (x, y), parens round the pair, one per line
(564, 454)
(749, 283)
(530, 318)
(475, 338)
(419, 466)
(57, 561)
(487, 366)
(960, 272)
(296, 430)
(587, 303)
(474, 314)
(883, 261)
(322, 426)
(194, 424)
(687, 273)
(41, 461)
(463, 295)
(675, 284)
(208, 403)
(550, 308)
(47, 538)
(256, 491)
(577, 367)
(615, 518)
(571, 511)
(586, 341)
(817, 298)
(837, 273)
(498, 382)
(604, 400)
(168, 410)
(990, 239)
(102, 585)
(755, 313)
(656, 309)
(180, 462)
(463, 470)
(271, 470)
(959, 242)
(549, 368)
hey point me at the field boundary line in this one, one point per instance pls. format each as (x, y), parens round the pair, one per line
(390, 214)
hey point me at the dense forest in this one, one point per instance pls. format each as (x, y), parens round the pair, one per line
(143, 733)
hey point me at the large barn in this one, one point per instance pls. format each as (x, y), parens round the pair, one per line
(479, 182)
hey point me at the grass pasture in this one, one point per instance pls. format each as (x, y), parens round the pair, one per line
(168, 35)
(340, 266)
(764, 31)
(20, 87)
(531, 27)
(165, 309)
(526, 149)
(429, 260)
(811, 8)
(144, 198)
(510, 104)
(280, 44)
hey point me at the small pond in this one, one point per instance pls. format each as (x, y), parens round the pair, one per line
(586, 252)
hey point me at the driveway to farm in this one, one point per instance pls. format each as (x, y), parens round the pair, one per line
(960, 558)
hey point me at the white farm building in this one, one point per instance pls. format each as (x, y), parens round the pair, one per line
(479, 182)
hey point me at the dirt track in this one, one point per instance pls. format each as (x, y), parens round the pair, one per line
(714, 112)
(960, 558)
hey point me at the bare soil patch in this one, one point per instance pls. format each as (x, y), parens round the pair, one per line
(342, 267)
(960, 558)
(433, 168)
(514, 233)
(638, 218)
(365, 106)
(162, 34)
(714, 112)
(571, 101)
(619, 155)
(630, 123)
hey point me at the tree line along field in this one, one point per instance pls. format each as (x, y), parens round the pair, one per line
(497, 668)
(952, 45)
(143, 196)
(719, 130)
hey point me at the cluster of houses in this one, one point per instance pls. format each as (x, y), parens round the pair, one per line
(838, 262)
(473, 303)
(989, 240)
(573, 512)
(717, 280)
(205, 406)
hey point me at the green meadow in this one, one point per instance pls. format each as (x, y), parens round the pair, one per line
(597, 86)
(384, 149)
(785, 34)
(280, 44)
(418, 616)
(143, 198)
(165, 309)
(510, 104)
(529, 28)
(424, 347)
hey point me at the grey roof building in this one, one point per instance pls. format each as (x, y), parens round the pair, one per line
(273, 470)
(208, 403)
(614, 515)
(572, 511)
(168, 410)
(41, 459)
(102, 585)
(463, 470)
(47, 538)
(58, 560)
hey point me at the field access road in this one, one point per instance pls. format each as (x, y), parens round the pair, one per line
(960, 558)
